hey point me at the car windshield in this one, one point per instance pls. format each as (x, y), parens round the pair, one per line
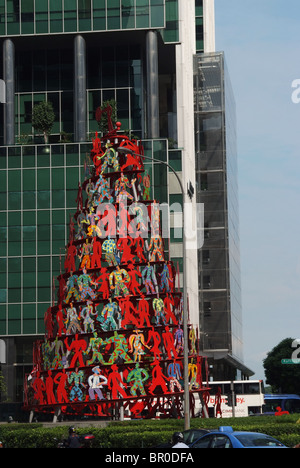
(257, 440)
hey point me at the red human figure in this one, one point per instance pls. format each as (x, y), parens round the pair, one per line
(155, 336)
(126, 307)
(39, 388)
(115, 383)
(79, 199)
(124, 244)
(143, 312)
(169, 343)
(48, 319)
(70, 258)
(138, 243)
(134, 285)
(158, 379)
(77, 346)
(60, 321)
(49, 389)
(96, 253)
(61, 379)
(61, 289)
(168, 303)
(104, 279)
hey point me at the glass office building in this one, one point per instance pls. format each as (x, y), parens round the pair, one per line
(78, 54)
(217, 188)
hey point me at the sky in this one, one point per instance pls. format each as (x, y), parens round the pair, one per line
(261, 42)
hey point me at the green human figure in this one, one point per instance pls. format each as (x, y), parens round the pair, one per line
(138, 376)
(159, 307)
(121, 348)
(110, 158)
(58, 347)
(95, 344)
(77, 378)
(46, 351)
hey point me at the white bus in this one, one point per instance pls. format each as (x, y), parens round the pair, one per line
(235, 398)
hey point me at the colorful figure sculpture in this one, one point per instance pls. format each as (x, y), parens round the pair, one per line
(121, 186)
(71, 288)
(96, 382)
(84, 282)
(165, 279)
(120, 348)
(117, 280)
(138, 376)
(85, 255)
(147, 186)
(174, 373)
(137, 344)
(149, 279)
(107, 316)
(87, 313)
(110, 158)
(77, 378)
(109, 249)
(156, 245)
(159, 308)
(114, 324)
(72, 321)
(101, 191)
(95, 344)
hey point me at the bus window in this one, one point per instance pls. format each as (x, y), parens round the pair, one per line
(271, 405)
(292, 406)
(252, 388)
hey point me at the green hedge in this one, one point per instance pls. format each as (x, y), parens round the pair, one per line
(145, 434)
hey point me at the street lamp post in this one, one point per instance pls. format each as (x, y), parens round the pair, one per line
(185, 314)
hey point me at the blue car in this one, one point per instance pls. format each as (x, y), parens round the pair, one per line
(226, 437)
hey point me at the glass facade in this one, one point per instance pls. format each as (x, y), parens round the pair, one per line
(29, 17)
(47, 74)
(219, 262)
(38, 191)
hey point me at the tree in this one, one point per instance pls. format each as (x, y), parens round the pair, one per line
(284, 378)
(108, 110)
(3, 388)
(43, 118)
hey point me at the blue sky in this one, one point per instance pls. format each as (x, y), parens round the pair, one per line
(261, 41)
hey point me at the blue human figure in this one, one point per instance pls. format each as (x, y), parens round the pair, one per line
(149, 279)
(174, 373)
(101, 191)
(165, 278)
(107, 317)
(72, 288)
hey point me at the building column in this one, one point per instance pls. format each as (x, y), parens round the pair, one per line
(9, 80)
(152, 85)
(80, 101)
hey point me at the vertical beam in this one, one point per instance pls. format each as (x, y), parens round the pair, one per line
(9, 79)
(80, 104)
(152, 85)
